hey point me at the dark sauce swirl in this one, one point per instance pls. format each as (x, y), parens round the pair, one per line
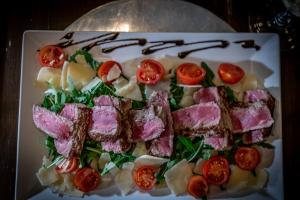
(68, 36)
(156, 47)
(248, 44)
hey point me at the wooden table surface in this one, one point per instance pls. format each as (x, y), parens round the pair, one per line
(57, 15)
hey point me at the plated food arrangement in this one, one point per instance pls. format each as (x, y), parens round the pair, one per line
(150, 123)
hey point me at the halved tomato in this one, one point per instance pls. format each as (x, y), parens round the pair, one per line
(68, 165)
(144, 177)
(52, 56)
(216, 170)
(197, 186)
(247, 158)
(150, 72)
(190, 73)
(230, 73)
(105, 68)
(86, 179)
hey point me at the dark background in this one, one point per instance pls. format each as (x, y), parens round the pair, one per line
(57, 15)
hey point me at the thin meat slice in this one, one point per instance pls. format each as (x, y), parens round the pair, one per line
(162, 146)
(146, 125)
(256, 116)
(80, 116)
(119, 145)
(253, 137)
(204, 95)
(52, 124)
(123, 105)
(218, 142)
(259, 95)
(105, 123)
(200, 117)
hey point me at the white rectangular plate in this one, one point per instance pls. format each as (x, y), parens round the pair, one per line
(264, 63)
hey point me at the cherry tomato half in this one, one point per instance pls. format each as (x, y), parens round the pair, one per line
(190, 73)
(230, 73)
(247, 158)
(216, 170)
(150, 72)
(144, 177)
(52, 56)
(105, 68)
(68, 165)
(197, 186)
(86, 179)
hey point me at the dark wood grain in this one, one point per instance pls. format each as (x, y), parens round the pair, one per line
(57, 15)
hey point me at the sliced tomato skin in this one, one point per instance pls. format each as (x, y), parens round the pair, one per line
(52, 56)
(247, 158)
(197, 186)
(190, 74)
(150, 72)
(216, 170)
(86, 179)
(105, 67)
(230, 73)
(72, 165)
(144, 177)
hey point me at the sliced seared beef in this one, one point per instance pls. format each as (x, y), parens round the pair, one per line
(162, 146)
(105, 123)
(218, 142)
(198, 119)
(123, 105)
(253, 137)
(119, 145)
(52, 124)
(80, 115)
(259, 95)
(146, 125)
(252, 117)
(204, 95)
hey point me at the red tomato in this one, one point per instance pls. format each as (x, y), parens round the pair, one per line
(197, 186)
(230, 73)
(144, 177)
(52, 56)
(105, 68)
(68, 165)
(247, 158)
(190, 73)
(216, 170)
(86, 179)
(150, 72)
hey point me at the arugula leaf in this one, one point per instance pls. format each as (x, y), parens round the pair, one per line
(187, 142)
(265, 145)
(88, 58)
(138, 105)
(117, 160)
(91, 150)
(165, 167)
(209, 77)
(52, 153)
(230, 95)
(176, 94)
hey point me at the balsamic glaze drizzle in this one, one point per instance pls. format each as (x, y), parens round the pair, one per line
(152, 49)
(68, 36)
(248, 44)
(70, 42)
(139, 41)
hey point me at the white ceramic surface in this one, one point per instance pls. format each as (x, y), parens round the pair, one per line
(264, 63)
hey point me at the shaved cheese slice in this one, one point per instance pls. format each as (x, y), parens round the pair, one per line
(129, 67)
(113, 73)
(130, 90)
(81, 60)
(80, 74)
(217, 81)
(149, 160)
(140, 149)
(120, 82)
(63, 79)
(168, 62)
(266, 157)
(238, 179)
(261, 178)
(178, 176)
(104, 158)
(199, 165)
(238, 87)
(91, 85)
(124, 181)
(49, 75)
(186, 101)
(47, 176)
(250, 82)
